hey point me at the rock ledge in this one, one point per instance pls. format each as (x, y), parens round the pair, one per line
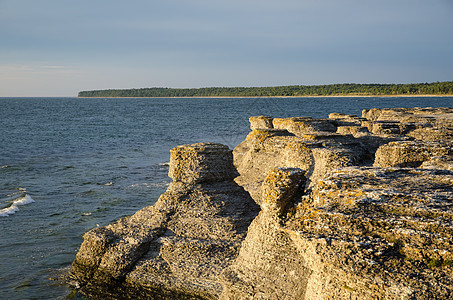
(341, 208)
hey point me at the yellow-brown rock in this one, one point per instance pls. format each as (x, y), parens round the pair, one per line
(178, 247)
(351, 208)
(260, 122)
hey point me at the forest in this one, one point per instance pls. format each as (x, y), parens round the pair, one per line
(345, 89)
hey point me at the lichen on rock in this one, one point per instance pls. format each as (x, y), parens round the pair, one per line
(202, 162)
(411, 153)
(261, 122)
(279, 188)
(177, 247)
(341, 208)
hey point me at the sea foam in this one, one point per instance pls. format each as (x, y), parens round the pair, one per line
(13, 208)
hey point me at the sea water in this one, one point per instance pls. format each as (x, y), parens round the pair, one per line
(71, 164)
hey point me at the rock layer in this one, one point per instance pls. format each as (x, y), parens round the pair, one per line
(178, 246)
(357, 232)
(350, 208)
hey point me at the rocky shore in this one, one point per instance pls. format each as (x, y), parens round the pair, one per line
(346, 207)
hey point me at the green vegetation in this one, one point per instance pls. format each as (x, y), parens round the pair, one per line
(346, 89)
(436, 263)
(348, 288)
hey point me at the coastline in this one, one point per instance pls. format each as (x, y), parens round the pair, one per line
(254, 97)
(328, 90)
(303, 208)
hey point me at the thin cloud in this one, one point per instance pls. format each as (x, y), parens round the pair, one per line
(113, 43)
(15, 71)
(53, 67)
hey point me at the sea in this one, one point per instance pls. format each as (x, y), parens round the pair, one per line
(68, 165)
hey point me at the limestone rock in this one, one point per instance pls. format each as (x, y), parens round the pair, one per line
(268, 265)
(303, 125)
(340, 120)
(412, 154)
(358, 232)
(432, 134)
(438, 162)
(361, 233)
(264, 150)
(351, 208)
(280, 187)
(386, 127)
(202, 162)
(261, 122)
(318, 153)
(179, 246)
(405, 115)
(378, 233)
(353, 130)
(428, 124)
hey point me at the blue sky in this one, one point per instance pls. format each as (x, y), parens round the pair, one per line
(59, 47)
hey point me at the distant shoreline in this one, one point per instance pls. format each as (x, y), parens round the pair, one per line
(290, 91)
(252, 97)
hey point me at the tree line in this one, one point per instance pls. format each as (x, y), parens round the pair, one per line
(346, 89)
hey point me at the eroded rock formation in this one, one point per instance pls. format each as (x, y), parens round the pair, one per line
(350, 208)
(178, 247)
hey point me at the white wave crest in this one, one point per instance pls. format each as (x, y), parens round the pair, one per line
(13, 208)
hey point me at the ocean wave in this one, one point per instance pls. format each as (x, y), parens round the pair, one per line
(14, 207)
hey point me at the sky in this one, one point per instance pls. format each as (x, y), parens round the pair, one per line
(56, 48)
